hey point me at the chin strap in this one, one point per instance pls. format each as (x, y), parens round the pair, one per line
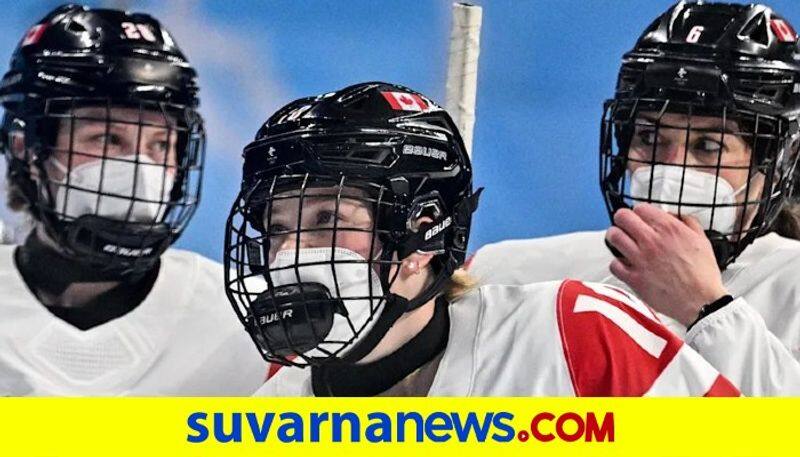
(723, 248)
(394, 307)
(348, 380)
(429, 238)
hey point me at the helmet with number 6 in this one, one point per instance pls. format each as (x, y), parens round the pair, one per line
(704, 120)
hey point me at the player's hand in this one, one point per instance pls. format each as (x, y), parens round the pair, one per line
(668, 261)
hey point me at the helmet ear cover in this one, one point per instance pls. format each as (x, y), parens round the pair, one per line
(442, 229)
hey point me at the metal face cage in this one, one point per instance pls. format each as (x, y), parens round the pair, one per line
(289, 316)
(116, 183)
(727, 167)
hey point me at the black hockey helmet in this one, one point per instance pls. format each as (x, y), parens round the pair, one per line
(739, 63)
(385, 146)
(78, 58)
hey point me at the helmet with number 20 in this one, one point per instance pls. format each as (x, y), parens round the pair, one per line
(102, 135)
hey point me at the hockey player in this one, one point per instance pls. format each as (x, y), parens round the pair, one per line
(105, 150)
(344, 248)
(701, 140)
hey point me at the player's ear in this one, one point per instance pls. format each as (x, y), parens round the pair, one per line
(415, 263)
(16, 141)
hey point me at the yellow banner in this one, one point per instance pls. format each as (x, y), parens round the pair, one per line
(396, 426)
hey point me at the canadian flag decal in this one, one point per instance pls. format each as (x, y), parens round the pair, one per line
(33, 34)
(783, 31)
(402, 101)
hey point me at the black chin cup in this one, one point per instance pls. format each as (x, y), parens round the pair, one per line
(294, 318)
(117, 244)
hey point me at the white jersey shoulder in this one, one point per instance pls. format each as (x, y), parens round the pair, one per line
(183, 339)
(580, 255)
(559, 338)
(504, 341)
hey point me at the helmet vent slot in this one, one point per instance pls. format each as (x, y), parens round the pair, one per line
(378, 153)
(371, 156)
(76, 27)
(766, 87)
(756, 30)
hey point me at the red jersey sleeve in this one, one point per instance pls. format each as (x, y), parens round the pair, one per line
(615, 346)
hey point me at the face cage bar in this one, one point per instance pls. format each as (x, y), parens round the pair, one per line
(176, 207)
(767, 156)
(248, 243)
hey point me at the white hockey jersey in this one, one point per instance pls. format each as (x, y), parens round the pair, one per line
(553, 339)
(182, 340)
(754, 341)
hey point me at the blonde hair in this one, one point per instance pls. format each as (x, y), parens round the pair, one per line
(460, 284)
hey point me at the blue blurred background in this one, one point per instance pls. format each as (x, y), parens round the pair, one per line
(545, 68)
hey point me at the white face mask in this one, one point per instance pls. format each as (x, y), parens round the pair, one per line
(698, 189)
(353, 279)
(151, 183)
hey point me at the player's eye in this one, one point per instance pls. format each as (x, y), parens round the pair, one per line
(110, 139)
(161, 146)
(277, 229)
(646, 137)
(709, 146)
(326, 217)
(108, 144)
(157, 150)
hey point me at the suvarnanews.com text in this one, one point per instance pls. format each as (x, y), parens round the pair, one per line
(409, 426)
